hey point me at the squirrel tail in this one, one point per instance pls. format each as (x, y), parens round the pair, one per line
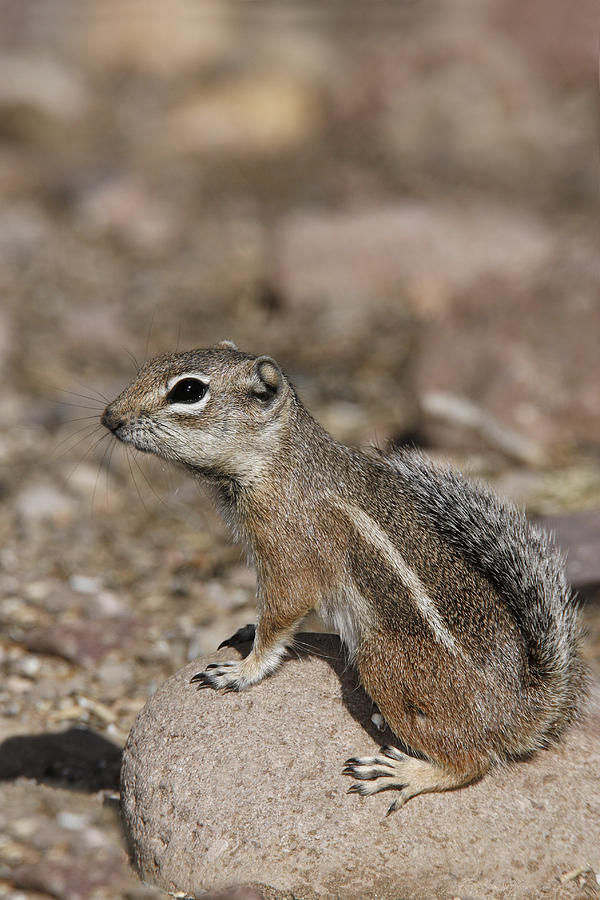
(523, 563)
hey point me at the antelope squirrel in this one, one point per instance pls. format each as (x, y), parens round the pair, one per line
(454, 610)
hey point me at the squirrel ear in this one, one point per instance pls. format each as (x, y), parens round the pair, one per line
(226, 345)
(267, 378)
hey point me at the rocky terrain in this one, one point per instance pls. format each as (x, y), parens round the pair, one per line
(222, 789)
(398, 201)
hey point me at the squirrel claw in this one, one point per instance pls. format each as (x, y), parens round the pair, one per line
(244, 635)
(223, 676)
(393, 753)
(396, 805)
(217, 675)
(384, 772)
(201, 680)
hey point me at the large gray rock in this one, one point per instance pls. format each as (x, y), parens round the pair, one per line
(224, 789)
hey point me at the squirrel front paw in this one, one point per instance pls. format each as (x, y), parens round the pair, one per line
(240, 674)
(222, 676)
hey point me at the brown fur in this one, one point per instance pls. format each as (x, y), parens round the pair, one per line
(447, 659)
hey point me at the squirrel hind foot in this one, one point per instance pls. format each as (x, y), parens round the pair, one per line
(394, 770)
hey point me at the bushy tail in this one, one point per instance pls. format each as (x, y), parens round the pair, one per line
(523, 564)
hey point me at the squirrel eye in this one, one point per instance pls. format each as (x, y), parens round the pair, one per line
(188, 390)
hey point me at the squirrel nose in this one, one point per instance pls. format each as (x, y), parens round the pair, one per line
(110, 419)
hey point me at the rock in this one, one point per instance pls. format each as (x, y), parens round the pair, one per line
(190, 33)
(454, 115)
(23, 230)
(83, 643)
(43, 85)
(241, 892)
(234, 789)
(368, 284)
(459, 412)
(43, 502)
(85, 584)
(77, 879)
(578, 535)
(45, 855)
(65, 881)
(124, 208)
(256, 113)
(7, 338)
(495, 338)
(431, 250)
(463, 104)
(564, 45)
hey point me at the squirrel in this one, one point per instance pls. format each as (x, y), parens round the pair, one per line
(453, 608)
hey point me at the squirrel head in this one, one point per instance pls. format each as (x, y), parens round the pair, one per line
(218, 411)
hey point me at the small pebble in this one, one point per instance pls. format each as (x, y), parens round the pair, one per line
(85, 584)
(29, 666)
(71, 821)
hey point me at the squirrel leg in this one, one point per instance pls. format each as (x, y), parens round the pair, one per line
(273, 634)
(394, 770)
(239, 674)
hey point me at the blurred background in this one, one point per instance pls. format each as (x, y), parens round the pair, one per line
(397, 200)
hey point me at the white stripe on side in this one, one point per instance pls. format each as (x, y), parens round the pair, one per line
(371, 532)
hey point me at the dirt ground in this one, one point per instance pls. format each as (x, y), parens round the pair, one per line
(398, 201)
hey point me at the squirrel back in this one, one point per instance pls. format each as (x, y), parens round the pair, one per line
(522, 563)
